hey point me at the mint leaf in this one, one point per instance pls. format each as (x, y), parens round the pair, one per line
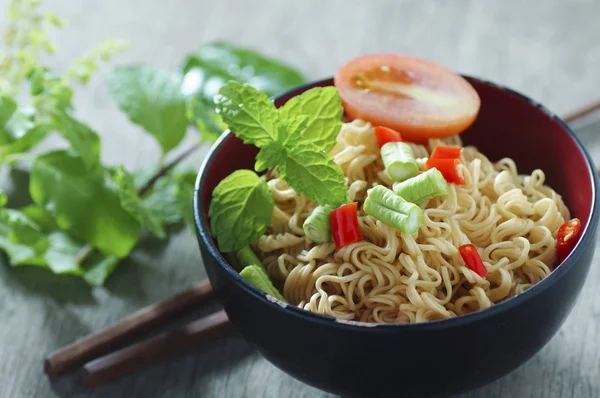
(84, 141)
(322, 106)
(61, 251)
(249, 113)
(7, 109)
(162, 200)
(203, 115)
(82, 203)
(269, 156)
(217, 63)
(241, 210)
(314, 174)
(152, 99)
(131, 202)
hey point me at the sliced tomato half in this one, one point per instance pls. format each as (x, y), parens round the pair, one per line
(417, 98)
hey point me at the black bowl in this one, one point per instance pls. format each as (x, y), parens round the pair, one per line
(437, 358)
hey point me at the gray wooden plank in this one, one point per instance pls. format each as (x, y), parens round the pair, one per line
(548, 49)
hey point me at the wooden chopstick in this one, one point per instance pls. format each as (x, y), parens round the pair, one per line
(115, 336)
(155, 349)
(581, 112)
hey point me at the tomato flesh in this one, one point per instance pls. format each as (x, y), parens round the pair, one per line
(417, 98)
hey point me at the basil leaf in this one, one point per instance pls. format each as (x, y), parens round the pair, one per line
(84, 141)
(152, 99)
(314, 174)
(82, 203)
(217, 63)
(322, 106)
(131, 202)
(241, 210)
(249, 113)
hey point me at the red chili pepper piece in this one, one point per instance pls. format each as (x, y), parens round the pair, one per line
(344, 225)
(385, 135)
(446, 152)
(472, 259)
(566, 238)
(448, 168)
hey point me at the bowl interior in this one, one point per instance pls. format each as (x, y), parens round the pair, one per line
(508, 125)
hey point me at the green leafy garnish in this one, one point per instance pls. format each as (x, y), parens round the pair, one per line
(151, 98)
(82, 203)
(283, 140)
(321, 105)
(132, 203)
(218, 63)
(240, 210)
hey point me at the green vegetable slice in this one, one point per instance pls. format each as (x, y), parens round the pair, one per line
(392, 210)
(423, 187)
(257, 276)
(246, 257)
(317, 226)
(399, 161)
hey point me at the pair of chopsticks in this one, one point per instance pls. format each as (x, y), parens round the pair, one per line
(104, 360)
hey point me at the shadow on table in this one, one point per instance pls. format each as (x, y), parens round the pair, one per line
(172, 377)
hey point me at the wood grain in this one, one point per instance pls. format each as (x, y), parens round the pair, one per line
(548, 49)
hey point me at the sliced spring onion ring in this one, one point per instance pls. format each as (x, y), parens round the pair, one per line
(423, 187)
(399, 161)
(317, 226)
(392, 210)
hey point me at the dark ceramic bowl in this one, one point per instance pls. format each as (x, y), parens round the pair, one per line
(438, 358)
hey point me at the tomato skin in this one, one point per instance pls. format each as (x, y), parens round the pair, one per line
(566, 238)
(344, 225)
(444, 104)
(385, 135)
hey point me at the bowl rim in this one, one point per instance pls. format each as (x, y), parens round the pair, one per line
(204, 235)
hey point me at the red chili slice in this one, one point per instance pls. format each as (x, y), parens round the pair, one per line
(566, 238)
(448, 168)
(446, 152)
(385, 135)
(472, 259)
(344, 225)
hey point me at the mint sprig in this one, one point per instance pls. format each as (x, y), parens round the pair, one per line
(293, 138)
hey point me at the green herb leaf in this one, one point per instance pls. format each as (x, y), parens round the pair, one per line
(203, 115)
(59, 250)
(217, 63)
(322, 106)
(249, 113)
(152, 99)
(186, 182)
(21, 133)
(7, 109)
(84, 141)
(314, 174)
(131, 202)
(82, 203)
(241, 210)
(269, 156)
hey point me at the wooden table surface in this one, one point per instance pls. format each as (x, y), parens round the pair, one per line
(548, 49)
